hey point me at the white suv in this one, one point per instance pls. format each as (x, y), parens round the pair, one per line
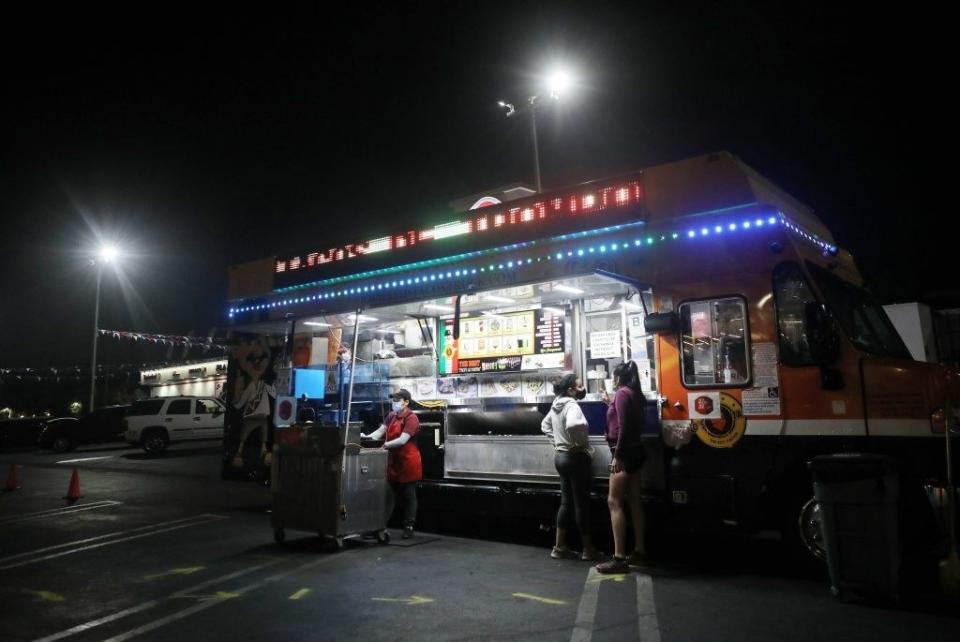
(154, 423)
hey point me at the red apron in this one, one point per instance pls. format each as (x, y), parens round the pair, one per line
(404, 463)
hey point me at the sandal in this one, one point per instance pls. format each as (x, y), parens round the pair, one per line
(563, 553)
(590, 556)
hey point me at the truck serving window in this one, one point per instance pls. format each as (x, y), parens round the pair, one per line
(714, 341)
(792, 294)
(862, 319)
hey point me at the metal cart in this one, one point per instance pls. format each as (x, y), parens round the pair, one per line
(319, 485)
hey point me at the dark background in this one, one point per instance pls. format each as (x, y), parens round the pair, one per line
(201, 137)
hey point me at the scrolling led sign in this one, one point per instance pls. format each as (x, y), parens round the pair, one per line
(484, 222)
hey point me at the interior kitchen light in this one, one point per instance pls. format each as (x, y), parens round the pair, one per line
(499, 299)
(567, 288)
(319, 324)
(437, 306)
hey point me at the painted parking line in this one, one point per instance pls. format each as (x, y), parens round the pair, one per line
(92, 624)
(111, 538)
(203, 605)
(63, 510)
(77, 461)
(647, 624)
(583, 626)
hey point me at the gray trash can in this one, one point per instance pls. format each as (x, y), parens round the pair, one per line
(858, 495)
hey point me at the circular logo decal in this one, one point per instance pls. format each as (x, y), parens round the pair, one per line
(286, 410)
(725, 431)
(703, 405)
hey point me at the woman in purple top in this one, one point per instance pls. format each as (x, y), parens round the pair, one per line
(625, 418)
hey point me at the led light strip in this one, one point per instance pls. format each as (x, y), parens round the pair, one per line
(713, 229)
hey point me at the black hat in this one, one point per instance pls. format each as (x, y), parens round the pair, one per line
(403, 393)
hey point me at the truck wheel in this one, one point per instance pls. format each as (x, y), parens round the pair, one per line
(155, 441)
(810, 528)
(801, 530)
(62, 444)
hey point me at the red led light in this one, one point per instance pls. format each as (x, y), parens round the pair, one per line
(624, 195)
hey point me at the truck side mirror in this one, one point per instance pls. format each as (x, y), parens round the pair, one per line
(661, 323)
(823, 337)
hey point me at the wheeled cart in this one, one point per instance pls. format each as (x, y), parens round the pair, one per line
(322, 486)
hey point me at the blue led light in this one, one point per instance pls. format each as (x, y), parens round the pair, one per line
(718, 229)
(569, 253)
(704, 231)
(509, 263)
(579, 252)
(746, 225)
(772, 220)
(559, 256)
(674, 235)
(732, 226)
(448, 274)
(758, 222)
(637, 243)
(590, 250)
(691, 234)
(603, 248)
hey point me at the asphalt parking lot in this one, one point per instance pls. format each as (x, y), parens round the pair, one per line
(160, 548)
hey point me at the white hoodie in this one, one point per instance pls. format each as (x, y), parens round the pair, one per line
(567, 426)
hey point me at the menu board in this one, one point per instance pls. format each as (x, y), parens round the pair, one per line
(502, 342)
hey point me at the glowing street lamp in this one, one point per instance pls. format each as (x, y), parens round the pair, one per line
(106, 254)
(558, 83)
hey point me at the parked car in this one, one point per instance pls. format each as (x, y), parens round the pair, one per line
(19, 432)
(155, 423)
(66, 433)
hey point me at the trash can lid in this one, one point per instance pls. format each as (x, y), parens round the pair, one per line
(839, 467)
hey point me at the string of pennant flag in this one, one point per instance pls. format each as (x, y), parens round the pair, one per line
(206, 343)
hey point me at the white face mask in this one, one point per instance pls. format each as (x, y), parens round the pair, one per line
(397, 406)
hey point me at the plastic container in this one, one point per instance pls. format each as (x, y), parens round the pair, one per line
(858, 495)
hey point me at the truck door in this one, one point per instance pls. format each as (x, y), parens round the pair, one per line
(208, 419)
(178, 419)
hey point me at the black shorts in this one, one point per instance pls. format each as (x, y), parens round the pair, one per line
(631, 457)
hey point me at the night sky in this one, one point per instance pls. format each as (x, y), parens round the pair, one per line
(198, 138)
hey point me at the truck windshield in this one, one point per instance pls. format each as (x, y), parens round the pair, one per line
(863, 320)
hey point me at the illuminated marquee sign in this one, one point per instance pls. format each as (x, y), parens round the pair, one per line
(485, 221)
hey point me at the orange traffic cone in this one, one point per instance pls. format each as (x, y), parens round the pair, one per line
(73, 492)
(12, 479)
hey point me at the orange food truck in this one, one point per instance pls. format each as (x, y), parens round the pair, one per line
(757, 344)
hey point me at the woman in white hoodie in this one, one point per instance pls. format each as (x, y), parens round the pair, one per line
(567, 427)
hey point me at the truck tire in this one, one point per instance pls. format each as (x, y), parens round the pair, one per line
(154, 440)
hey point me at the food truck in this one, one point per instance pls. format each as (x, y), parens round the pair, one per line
(757, 344)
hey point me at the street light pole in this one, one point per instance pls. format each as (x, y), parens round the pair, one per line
(96, 334)
(558, 82)
(536, 147)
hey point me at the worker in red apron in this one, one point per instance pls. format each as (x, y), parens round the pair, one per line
(404, 468)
